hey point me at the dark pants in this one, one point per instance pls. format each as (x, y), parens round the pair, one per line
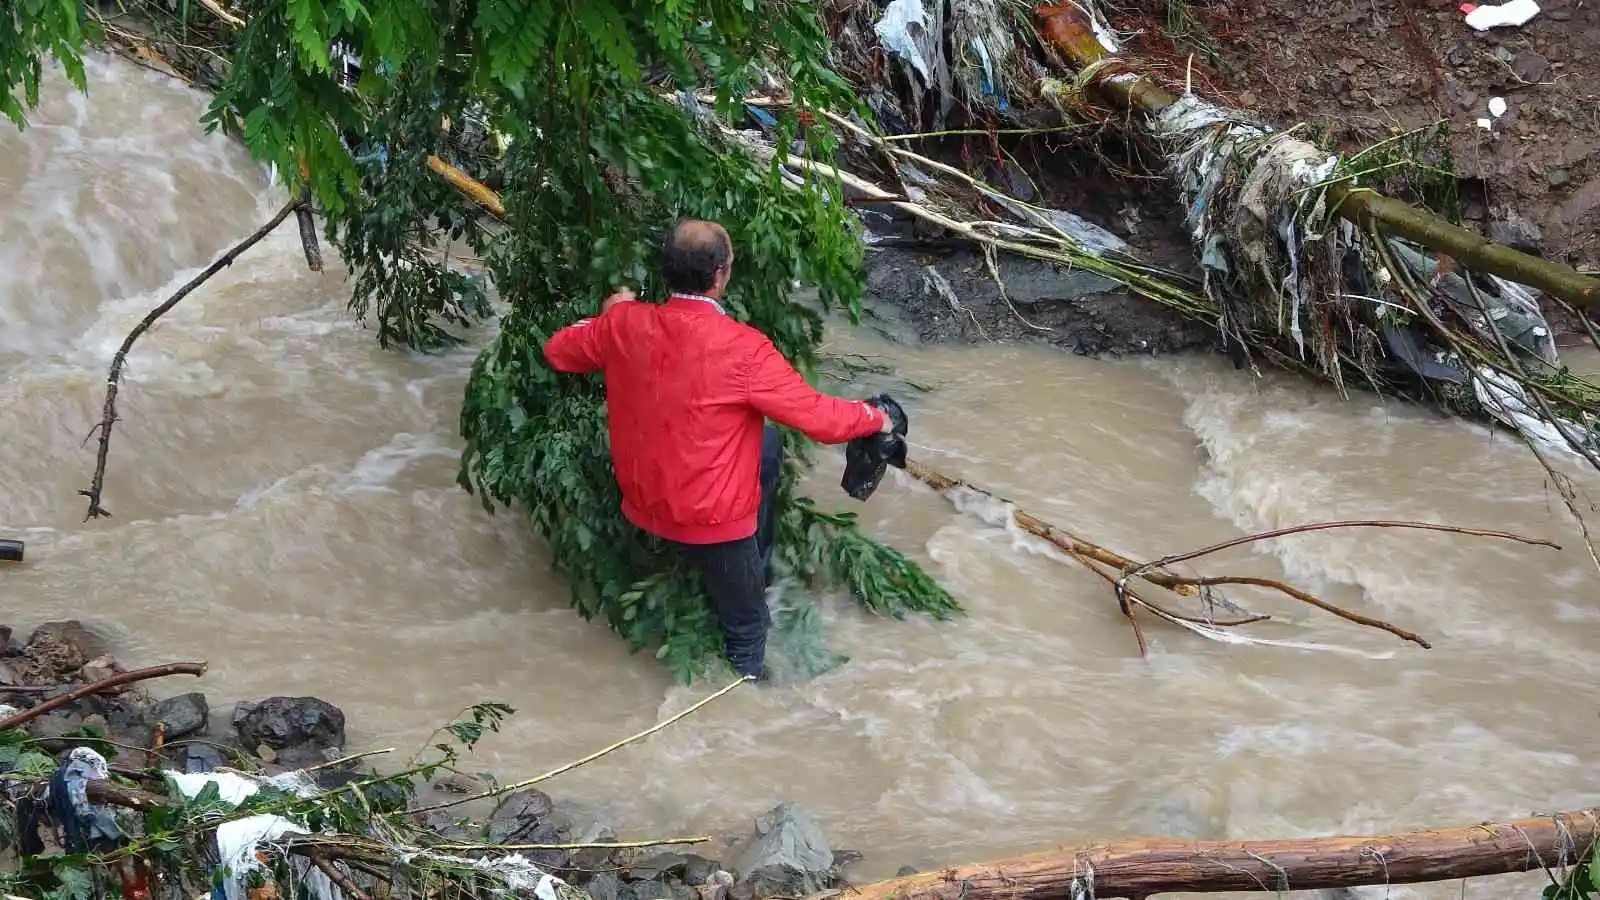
(736, 573)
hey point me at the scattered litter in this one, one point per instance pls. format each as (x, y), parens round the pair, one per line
(895, 30)
(1486, 124)
(1497, 106)
(1512, 14)
(237, 840)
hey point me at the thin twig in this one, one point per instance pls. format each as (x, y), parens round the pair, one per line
(1351, 523)
(611, 845)
(113, 379)
(562, 769)
(28, 715)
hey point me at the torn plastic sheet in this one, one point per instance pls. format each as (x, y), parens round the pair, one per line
(517, 871)
(1511, 308)
(238, 840)
(1508, 403)
(895, 32)
(1086, 234)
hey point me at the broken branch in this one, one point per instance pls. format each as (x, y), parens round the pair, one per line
(105, 684)
(479, 193)
(108, 416)
(1154, 572)
(1143, 867)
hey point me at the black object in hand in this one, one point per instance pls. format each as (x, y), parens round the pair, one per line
(867, 458)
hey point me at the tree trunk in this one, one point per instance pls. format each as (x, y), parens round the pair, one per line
(1066, 27)
(1140, 868)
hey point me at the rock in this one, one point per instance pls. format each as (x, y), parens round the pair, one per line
(697, 870)
(788, 856)
(1559, 178)
(659, 867)
(517, 816)
(1530, 66)
(8, 675)
(100, 668)
(717, 887)
(182, 715)
(593, 857)
(52, 729)
(456, 783)
(65, 646)
(1515, 231)
(604, 886)
(448, 826)
(843, 859)
(267, 754)
(202, 758)
(905, 871)
(645, 890)
(280, 722)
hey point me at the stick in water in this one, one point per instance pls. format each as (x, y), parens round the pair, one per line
(109, 413)
(562, 769)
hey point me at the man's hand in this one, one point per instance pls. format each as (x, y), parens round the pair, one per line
(621, 295)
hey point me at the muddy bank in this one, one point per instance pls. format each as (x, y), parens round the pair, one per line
(950, 295)
(141, 742)
(1358, 73)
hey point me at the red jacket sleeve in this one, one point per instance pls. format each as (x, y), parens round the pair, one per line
(778, 392)
(577, 348)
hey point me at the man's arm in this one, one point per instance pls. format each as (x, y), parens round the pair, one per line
(577, 348)
(778, 392)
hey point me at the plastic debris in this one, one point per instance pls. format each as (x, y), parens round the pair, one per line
(1497, 106)
(1512, 14)
(237, 840)
(903, 26)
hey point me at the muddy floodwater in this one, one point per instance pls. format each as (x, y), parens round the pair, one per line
(285, 507)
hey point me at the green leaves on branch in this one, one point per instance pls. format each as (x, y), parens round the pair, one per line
(601, 162)
(31, 30)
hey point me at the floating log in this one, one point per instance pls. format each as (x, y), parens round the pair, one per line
(1068, 28)
(1136, 869)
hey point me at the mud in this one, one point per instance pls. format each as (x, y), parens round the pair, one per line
(951, 296)
(1358, 71)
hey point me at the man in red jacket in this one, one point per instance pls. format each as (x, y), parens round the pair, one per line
(688, 390)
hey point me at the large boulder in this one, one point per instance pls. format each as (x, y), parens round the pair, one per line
(283, 722)
(788, 856)
(63, 647)
(182, 715)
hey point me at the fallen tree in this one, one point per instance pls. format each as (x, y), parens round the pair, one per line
(1140, 868)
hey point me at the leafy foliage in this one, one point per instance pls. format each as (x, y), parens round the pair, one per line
(607, 148)
(1582, 882)
(29, 29)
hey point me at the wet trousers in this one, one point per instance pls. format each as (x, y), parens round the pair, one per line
(736, 573)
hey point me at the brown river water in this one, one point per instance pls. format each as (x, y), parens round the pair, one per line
(286, 509)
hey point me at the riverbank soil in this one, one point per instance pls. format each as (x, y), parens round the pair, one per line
(1358, 71)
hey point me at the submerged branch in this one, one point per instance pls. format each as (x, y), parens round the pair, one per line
(1156, 572)
(108, 416)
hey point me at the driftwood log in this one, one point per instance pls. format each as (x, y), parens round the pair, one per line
(1142, 868)
(1065, 27)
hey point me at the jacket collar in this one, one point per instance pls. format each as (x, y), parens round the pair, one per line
(695, 302)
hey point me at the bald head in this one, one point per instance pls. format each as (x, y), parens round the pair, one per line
(697, 258)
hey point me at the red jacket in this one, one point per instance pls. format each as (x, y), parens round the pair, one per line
(687, 391)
